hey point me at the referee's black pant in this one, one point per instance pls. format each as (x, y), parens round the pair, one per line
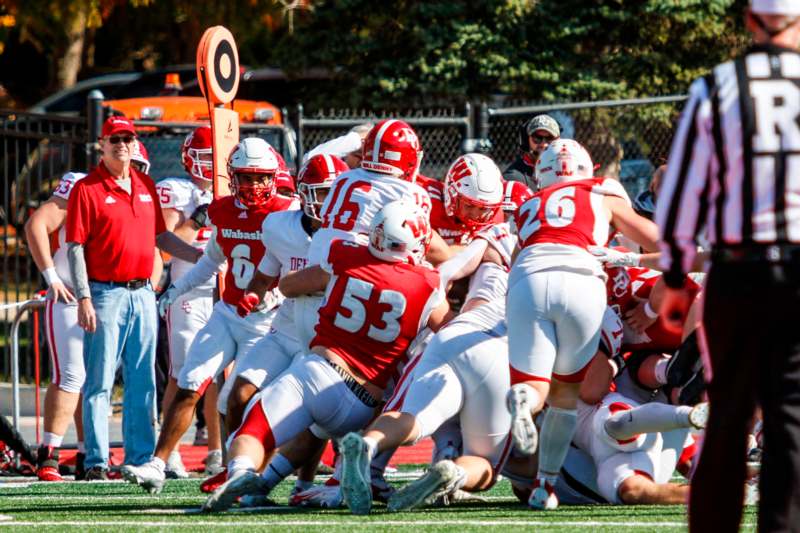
(752, 326)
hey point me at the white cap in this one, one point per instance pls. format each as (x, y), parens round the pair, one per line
(775, 7)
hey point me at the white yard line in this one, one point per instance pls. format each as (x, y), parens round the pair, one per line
(350, 523)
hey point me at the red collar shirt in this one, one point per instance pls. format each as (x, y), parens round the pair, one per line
(117, 229)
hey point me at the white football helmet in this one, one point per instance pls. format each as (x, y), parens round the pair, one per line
(400, 232)
(473, 180)
(253, 155)
(564, 160)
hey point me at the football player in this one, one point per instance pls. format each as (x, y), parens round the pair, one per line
(556, 299)
(46, 235)
(236, 222)
(377, 298)
(184, 203)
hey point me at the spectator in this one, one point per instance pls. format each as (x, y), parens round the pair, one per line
(534, 138)
(113, 218)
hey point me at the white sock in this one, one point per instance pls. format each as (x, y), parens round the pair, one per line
(158, 463)
(81, 447)
(379, 462)
(557, 431)
(647, 418)
(240, 462)
(372, 447)
(303, 485)
(52, 440)
(660, 370)
(277, 470)
(462, 477)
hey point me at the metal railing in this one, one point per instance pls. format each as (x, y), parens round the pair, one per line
(22, 309)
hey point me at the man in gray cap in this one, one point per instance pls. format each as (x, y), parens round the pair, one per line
(733, 176)
(534, 138)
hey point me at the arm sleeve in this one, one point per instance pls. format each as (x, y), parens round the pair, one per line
(205, 268)
(77, 270)
(681, 200)
(488, 283)
(462, 264)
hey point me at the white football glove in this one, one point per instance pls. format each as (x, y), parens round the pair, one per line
(614, 257)
(166, 300)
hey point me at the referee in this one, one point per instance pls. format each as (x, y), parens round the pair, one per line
(734, 173)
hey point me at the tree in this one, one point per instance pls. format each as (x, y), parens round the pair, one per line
(444, 50)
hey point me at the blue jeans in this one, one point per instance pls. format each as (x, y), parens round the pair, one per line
(126, 333)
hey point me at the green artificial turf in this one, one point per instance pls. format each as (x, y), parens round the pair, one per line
(118, 506)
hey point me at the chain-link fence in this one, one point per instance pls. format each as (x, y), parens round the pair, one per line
(442, 132)
(626, 138)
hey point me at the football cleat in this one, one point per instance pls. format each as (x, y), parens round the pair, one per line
(241, 482)
(523, 430)
(211, 484)
(698, 416)
(327, 496)
(47, 464)
(96, 473)
(213, 462)
(148, 476)
(80, 470)
(543, 496)
(175, 468)
(444, 477)
(356, 486)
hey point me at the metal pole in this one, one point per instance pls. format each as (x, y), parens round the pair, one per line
(299, 132)
(483, 121)
(30, 304)
(94, 123)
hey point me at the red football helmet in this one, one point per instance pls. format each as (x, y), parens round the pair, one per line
(515, 193)
(197, 155)
(473, 190)
(392, 147)
(284, 182)
(140, 157)
(318, 174)
(253, 156)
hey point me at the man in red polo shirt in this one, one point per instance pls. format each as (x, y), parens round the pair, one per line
(114, 222)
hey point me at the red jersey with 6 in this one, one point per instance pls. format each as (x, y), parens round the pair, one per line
(238, 234)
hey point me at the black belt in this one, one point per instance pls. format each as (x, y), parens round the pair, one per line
(355, 387)
(758, 253)
(131, 285)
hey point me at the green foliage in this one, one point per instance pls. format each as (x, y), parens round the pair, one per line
(551, 50)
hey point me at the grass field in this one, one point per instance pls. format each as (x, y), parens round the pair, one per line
(118, 506)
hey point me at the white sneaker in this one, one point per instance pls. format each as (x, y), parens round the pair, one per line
(356, 486)
(523, 430)
(543, 497)
(239, 483)
(443, 478)
(175, 468)
(148, 476)
(213, 462)
(319, 496)
(698, 416)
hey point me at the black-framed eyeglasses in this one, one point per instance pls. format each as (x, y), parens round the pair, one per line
(116, 139)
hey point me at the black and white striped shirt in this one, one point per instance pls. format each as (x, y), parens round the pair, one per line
(734, 168)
